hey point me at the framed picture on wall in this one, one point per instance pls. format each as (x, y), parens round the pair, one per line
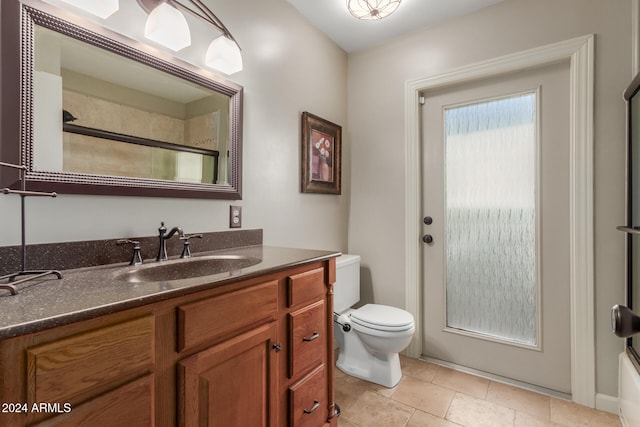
(321, 162)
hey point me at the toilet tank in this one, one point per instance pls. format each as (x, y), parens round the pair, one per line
(346, 290)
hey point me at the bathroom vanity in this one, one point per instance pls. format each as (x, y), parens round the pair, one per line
(251, 347)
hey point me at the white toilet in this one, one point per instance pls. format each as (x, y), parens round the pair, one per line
(369, 337)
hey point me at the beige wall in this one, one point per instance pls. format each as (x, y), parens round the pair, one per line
(376, 132)
(290, 67)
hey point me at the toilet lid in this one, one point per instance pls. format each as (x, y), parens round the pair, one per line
(382, 317)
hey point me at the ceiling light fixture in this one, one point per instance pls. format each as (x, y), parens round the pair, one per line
(102, 9)
(170, 29)
(369, 10)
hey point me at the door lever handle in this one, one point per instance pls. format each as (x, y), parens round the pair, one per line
(624, 322)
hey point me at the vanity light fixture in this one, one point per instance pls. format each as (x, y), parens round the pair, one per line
(369, 10)
(223, 54)
(102, 9)
(168, 26)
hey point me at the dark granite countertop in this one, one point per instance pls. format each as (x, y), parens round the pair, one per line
(94, 291)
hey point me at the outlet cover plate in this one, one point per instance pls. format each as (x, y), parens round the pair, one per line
(235, 216)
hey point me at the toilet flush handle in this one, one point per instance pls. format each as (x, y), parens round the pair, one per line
(345, 326)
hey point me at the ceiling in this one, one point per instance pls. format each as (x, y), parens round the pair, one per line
(333, 18)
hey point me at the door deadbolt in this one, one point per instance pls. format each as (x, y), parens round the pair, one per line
(427, 220)
(427, 238)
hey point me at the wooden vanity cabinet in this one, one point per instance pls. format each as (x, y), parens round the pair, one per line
(78, 375)
(257, 352)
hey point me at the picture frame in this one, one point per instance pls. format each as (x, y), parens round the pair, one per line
(321, 160)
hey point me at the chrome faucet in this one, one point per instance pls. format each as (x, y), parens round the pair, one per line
(163, 235)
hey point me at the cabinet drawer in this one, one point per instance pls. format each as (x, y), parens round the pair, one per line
(129, 405)
(307, 338)
(305, 287)
(91, 360)
(308, 399)
(221, 317)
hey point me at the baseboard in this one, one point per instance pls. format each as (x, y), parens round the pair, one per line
(499, 378)
(607, 403)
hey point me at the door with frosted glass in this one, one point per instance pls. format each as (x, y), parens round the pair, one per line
(496, 245)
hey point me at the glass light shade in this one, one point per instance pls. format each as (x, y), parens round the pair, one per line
(372, 9)
(167, 25)
(224, 55)
(101, 8)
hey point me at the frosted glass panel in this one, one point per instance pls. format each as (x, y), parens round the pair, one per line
(490, 199)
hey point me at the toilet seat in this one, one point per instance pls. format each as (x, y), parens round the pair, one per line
(382, 318)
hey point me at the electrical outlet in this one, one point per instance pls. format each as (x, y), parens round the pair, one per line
(235, 216)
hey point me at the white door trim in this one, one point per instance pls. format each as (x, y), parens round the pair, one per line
(579, 52)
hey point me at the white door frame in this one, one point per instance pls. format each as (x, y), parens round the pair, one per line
(579, 52)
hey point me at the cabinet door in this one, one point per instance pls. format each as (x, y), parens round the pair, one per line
(231, 384)
(90, 363)
(129, 405)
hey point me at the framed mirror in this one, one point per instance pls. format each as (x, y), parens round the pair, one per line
(98, 115)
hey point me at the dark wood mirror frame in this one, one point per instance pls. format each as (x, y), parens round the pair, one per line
(16, 119)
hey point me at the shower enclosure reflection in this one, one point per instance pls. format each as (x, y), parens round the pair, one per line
(122, 118)
(624, 322)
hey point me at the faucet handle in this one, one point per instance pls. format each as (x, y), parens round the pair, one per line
(186, 248)
(137, 257)
(189, 236)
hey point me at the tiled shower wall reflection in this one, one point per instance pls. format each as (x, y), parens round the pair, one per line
(86, 154)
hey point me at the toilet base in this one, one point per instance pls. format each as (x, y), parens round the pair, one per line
(387, 373)
(382, 369)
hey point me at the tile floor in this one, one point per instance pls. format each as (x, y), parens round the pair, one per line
(433, 396)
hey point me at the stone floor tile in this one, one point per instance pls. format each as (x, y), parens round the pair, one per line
(433, 396)
(527, 420)
(424, 396)
(472, 412)
(470, 385)
(372, 409)
(517, 398)
(345, 422)
(568, 413)
(422, 419)
(418, 368)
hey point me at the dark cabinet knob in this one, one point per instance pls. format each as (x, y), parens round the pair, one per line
(427, 238)
(428, 220)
